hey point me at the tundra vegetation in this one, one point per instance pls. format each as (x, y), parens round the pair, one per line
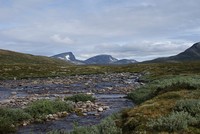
(169, 102)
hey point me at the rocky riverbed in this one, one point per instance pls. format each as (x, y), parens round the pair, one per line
(109, 89)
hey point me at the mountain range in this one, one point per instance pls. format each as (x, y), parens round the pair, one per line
(10, 57)
(96, 60)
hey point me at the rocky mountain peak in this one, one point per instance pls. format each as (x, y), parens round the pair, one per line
(69, 56)
(101, 59)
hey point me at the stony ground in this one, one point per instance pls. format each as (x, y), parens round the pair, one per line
(18, 93)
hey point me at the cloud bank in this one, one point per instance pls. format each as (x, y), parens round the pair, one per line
(135, 29)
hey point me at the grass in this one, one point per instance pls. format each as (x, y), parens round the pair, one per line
(154, 70)
(80, 97)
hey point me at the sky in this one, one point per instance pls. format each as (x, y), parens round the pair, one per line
(134, 29)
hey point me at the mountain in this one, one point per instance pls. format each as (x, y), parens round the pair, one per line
(125, 61)
(68, 56)
(108, 60)
(97, 60)
(192, 53)
(11, 57)
(101, 60)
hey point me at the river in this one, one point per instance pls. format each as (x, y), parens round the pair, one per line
(109, 89)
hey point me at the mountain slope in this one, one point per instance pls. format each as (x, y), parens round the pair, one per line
(101, 59)
(11, 57)
(69, 57)
(125, 61)
(192, 53)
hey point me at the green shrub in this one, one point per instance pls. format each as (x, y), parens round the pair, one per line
(6, 125)
(80, 97)
(173, 122)
(16, 115)
(9, 117)
(140, 95)
(164, 85)
(191, 106)
(40, 108)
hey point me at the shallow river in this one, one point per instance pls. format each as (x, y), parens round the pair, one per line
(116, 103)
(109, 89)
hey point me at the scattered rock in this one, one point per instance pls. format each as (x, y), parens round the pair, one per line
(96, 114)
(13, 93)
(84, 114)
(106, 107)
(100, 109)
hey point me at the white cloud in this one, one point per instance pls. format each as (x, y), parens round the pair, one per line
(59, 39)
(144, 49)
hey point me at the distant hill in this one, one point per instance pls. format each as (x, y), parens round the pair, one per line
(190, 54)
(11, 57)
(101, 59)
(108, 60)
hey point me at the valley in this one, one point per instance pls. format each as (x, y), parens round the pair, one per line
(99, 67)
(54, 96)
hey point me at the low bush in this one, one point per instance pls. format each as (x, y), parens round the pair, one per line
(40, 108)
(9, 118)
(191, 106)
(80, 97)
(17, 115)
(175, 121)
(164, 85)
(6, 125)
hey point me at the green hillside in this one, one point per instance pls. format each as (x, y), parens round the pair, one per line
(10, 57)
(14, 65)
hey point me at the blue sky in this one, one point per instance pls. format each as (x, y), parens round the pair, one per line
(137, 29)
